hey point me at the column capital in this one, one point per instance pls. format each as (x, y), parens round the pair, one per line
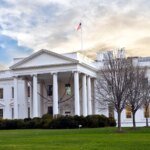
(89, 76)
(15, 77)
(54, 73)
(83, 74)
(79, 72)
(33, 75)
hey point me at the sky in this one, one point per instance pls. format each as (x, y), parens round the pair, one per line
(27, 26)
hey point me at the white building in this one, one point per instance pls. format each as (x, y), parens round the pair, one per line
(47, 82)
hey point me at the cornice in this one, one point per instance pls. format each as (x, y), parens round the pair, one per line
(40, 52)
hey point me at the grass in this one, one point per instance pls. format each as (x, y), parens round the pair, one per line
(75, 139)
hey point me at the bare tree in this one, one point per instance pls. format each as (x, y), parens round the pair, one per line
(112, 84)
(146, 100)
(136, 93)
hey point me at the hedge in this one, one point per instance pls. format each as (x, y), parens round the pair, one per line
(62, 122)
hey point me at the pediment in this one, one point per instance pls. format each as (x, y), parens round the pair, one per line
(43, 58)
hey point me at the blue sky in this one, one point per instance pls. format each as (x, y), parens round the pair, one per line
(28, 26)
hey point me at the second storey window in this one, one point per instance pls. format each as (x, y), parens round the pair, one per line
(12, 92)
(1, 93)
(50, 90)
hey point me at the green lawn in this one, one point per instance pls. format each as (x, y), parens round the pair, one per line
(75, 139)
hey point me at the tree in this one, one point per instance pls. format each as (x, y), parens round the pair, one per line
(113, 82)
(136, 93)
(146, 99)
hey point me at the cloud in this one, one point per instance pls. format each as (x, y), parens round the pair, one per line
(9, 49)
(50, 24)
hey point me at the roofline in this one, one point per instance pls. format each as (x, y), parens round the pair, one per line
(40, 51)
(53, 65)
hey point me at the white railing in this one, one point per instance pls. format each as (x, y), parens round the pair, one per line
(144, 59)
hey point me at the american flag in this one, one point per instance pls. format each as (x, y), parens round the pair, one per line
(79, 26)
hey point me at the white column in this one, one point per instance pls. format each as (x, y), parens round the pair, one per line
(84, 95)
(8, 96)
(31, 100)
(16, 116)
(55, 94)
(41, 99)
(76, 93)
(89, 95)
(35, 96)
(96, 104)
(25, 99)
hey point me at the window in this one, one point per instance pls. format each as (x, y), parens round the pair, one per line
(1, 93)
(50, 90)
(50, 110)
(68, 89)
(28, 91)
(147, 113)
(111, 111)
(1, 113)
(28, 112)
(128, 112)
(12, 113)
(12, 92)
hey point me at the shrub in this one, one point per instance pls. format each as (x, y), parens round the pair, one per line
(92, 121)
(103, 121)
(47, 116)
(62, 122)
(80, 120)
(12, 124)
(46, 120)
(112, 122)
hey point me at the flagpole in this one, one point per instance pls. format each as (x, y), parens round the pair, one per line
(81, 38)
(81, 34)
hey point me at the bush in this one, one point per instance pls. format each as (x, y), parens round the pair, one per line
(92, 121)
(112, 122)
(47, 116)
(103, 121)
(12, 124)
(46, 120)
(62, 122)
(80, 120)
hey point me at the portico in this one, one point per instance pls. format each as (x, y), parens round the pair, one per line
(66, 72)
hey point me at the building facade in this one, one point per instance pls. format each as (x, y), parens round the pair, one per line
(47, 82)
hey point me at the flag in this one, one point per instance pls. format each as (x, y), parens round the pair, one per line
(79, 26)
